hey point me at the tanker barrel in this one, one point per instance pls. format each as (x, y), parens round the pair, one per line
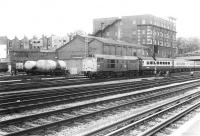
(46, 65)
(29, 65)
(61, 64)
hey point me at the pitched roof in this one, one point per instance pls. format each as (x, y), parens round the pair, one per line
(103, 40)
(114, 42)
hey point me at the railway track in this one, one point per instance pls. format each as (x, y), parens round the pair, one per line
(157, 119)
(33, 100)
(31, 82)
(78, 113)
(20, 84)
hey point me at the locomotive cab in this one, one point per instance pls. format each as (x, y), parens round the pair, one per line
(89, 66)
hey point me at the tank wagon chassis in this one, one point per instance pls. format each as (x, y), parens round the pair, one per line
(103, 66)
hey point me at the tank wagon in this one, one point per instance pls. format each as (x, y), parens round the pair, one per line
(47, 67)
(114, 66)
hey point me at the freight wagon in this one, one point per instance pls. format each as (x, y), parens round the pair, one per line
(46, 67)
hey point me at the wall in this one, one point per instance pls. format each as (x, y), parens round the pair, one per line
(74, 49)
(95, 47)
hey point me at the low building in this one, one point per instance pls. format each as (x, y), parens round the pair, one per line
(84, 46)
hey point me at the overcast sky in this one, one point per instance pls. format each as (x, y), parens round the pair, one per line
(59, 17)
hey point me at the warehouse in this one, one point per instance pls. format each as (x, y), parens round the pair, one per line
(83, 46)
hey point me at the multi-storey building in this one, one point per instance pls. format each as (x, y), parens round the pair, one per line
(36, 42)
(55, 42)
(148, 30)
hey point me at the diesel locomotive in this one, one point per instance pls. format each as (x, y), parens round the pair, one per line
(117, 66)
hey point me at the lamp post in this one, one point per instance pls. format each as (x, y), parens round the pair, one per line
(154, 57)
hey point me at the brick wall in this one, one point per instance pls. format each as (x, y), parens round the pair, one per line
(75, 48)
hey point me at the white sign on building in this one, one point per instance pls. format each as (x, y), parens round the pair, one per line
(3, 51)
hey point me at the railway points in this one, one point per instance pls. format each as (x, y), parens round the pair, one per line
(144, 92)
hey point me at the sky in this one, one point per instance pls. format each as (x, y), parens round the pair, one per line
(36, 17)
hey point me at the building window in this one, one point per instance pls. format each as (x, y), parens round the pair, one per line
(143, 31)
(161, 34)
(154, 33)
(161, 43)
(149, 41)
(143, 21)
(143, 41)
(134, 22)
(149, 32)
(134, 32)
(155, 42)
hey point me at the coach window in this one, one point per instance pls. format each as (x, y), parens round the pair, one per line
(168, 63)
(112, 65)
(151, 62)
(147, 62)
(157, 63)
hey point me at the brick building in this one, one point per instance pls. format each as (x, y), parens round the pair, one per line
(55, 42)
(82, 46)
(145, 30)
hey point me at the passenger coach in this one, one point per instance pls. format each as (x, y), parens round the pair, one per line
(161, 65)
